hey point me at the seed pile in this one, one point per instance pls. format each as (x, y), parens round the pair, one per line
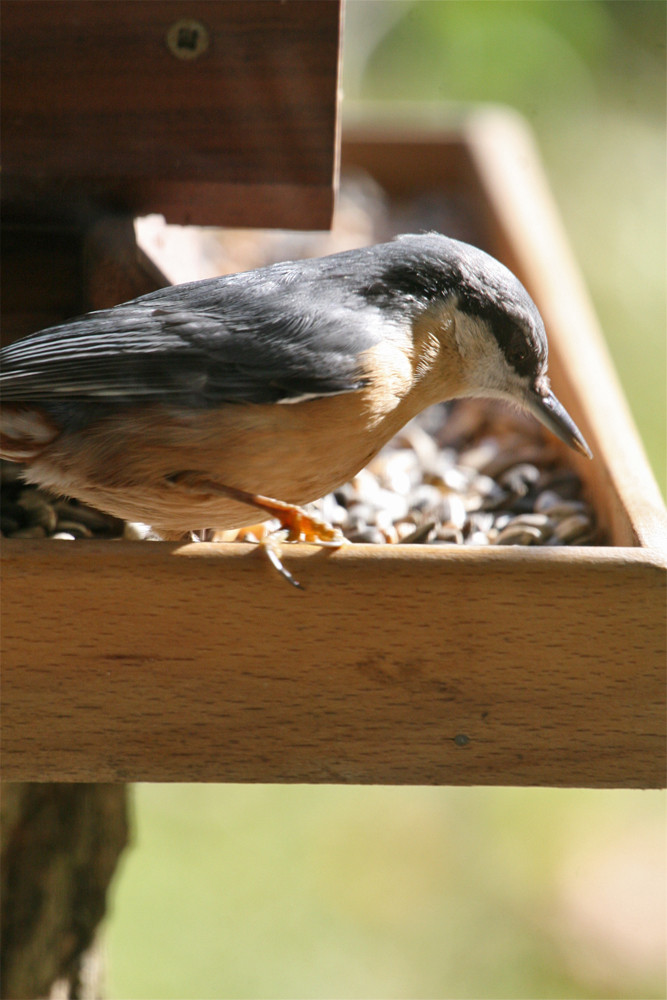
(27, 512)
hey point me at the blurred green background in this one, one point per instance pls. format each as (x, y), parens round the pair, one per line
(263, 891)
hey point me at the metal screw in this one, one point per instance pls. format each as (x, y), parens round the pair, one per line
(187, 39)
(462, 740)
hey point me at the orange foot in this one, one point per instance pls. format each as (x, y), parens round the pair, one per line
(298, 524)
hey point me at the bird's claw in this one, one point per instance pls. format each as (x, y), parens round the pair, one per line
(270, 546)
(301, 526)
(296, 525)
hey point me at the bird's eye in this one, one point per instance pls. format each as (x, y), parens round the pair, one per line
(518, 353)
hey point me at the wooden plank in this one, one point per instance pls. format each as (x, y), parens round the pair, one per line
(93, 94)
(530, 238)
(437, 162)
(150, 662)
(200, 203)
(116, 269)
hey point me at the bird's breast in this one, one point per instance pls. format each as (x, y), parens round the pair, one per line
(125, 462)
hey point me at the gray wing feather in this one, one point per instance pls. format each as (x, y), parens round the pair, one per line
(262, 336)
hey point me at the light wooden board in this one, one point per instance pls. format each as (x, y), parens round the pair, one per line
(530, 236)
(148, 662)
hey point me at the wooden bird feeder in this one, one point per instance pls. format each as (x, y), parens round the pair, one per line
(131, 662)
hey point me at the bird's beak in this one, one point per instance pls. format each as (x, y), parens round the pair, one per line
(546, 408)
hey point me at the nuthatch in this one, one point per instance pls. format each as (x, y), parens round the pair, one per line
(200, 404)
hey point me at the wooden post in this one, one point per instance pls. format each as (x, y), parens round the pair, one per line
(60, 847)
(61, 842)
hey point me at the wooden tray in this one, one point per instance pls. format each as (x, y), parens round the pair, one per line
(130, 662)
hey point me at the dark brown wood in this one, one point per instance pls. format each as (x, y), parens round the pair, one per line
(94, 95)
(437, 162)
(115, 269)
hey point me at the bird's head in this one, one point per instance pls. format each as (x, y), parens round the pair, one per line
(490, 324)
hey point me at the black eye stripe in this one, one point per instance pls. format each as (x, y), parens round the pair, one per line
(522, 343)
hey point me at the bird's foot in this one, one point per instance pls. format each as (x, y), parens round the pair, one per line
(299, 525)
(296, 524)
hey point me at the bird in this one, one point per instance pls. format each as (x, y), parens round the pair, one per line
(223, 402)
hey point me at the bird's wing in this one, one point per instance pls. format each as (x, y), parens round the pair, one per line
(220, 340)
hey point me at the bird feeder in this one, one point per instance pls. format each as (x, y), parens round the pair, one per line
(402, 664)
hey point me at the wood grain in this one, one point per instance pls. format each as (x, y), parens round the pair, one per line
(93, 94)
(149, 662)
